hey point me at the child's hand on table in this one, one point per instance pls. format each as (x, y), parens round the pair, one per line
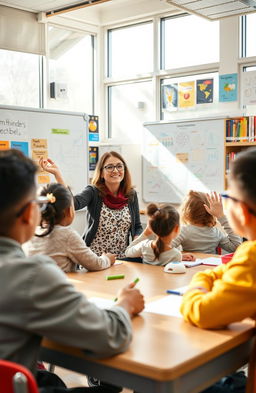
(131, 299)
(111, 257)
(188, 257)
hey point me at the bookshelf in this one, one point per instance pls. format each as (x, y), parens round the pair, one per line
(240, 133)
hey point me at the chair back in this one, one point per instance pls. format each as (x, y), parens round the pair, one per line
(251, 381)
(15, 378)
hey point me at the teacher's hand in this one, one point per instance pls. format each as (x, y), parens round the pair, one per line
(49, 166)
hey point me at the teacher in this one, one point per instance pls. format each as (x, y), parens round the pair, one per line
(112, 204)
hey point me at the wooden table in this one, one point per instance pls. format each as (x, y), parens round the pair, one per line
(166, 353)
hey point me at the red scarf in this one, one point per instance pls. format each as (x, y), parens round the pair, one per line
(114, 202)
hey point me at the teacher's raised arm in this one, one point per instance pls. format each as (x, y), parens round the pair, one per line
(112, 204)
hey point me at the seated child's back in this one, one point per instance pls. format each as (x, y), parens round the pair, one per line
(164, 223)
(200, 234)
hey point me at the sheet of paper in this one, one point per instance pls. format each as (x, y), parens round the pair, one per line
(102, 302)
(194, 263)
(213, 261)
(167, 305)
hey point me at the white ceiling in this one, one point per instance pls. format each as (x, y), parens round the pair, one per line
(100, 14)
(38, 6)
(216, 9)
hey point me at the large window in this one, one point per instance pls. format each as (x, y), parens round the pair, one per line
(130, 105)
(130, 50)
(71, 68)
(248, 35)
(188, 40)
(19, 79)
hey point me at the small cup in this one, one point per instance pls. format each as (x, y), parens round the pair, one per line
(175, 267)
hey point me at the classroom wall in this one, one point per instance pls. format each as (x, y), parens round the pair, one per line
(130, 142)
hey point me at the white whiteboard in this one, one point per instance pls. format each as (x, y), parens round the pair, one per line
(180, 156)
(65, 134)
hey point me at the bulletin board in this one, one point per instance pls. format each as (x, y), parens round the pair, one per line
(180, 156)
(62, 136)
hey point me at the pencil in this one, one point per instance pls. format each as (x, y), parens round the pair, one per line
(116, 277)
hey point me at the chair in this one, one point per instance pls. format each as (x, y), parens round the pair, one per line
(15, 378)
(251, 382)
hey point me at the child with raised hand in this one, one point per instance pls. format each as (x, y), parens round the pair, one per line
(200, 212)
(58, 240)
(164, 224)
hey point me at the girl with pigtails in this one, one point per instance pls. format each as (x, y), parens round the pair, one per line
(164, 224)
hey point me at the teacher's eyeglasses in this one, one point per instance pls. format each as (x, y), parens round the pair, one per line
(226, 196)
(41, 201)
(110, 168)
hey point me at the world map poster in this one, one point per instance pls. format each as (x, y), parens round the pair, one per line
(204, 91)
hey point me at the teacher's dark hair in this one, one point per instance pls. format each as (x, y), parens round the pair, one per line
(98, 181)
(17, 174)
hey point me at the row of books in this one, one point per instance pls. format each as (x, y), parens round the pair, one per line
(242, 129)
(230, 157)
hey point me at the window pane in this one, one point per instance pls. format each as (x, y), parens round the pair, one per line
(130, 50)
(19, 79)
(130, 105)
(189, 40)
(250, 35)
(192, 93)
(71, 68)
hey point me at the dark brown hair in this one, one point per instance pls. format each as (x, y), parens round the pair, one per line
(162, 221)
(54, 212)
(193, 210)
(242, 172)
(99, 182)
(17, 174)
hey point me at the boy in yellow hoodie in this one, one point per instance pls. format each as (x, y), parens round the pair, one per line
(227, 293)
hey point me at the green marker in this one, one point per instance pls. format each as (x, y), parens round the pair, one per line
(135, 282)
(118, 276)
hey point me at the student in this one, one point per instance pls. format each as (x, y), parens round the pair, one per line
(200, 234)
(227, 293)
(58, 240)
(164, 223)
(112, 204)
(37, 298)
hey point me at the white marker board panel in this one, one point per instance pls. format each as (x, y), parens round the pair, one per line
(63, 135)
(180, 156)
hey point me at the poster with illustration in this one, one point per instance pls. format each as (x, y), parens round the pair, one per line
(93, 157)
(170, 96)
(186, 94)
(204, 91)
(93, 125)
(249, 88)
(228, 88)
